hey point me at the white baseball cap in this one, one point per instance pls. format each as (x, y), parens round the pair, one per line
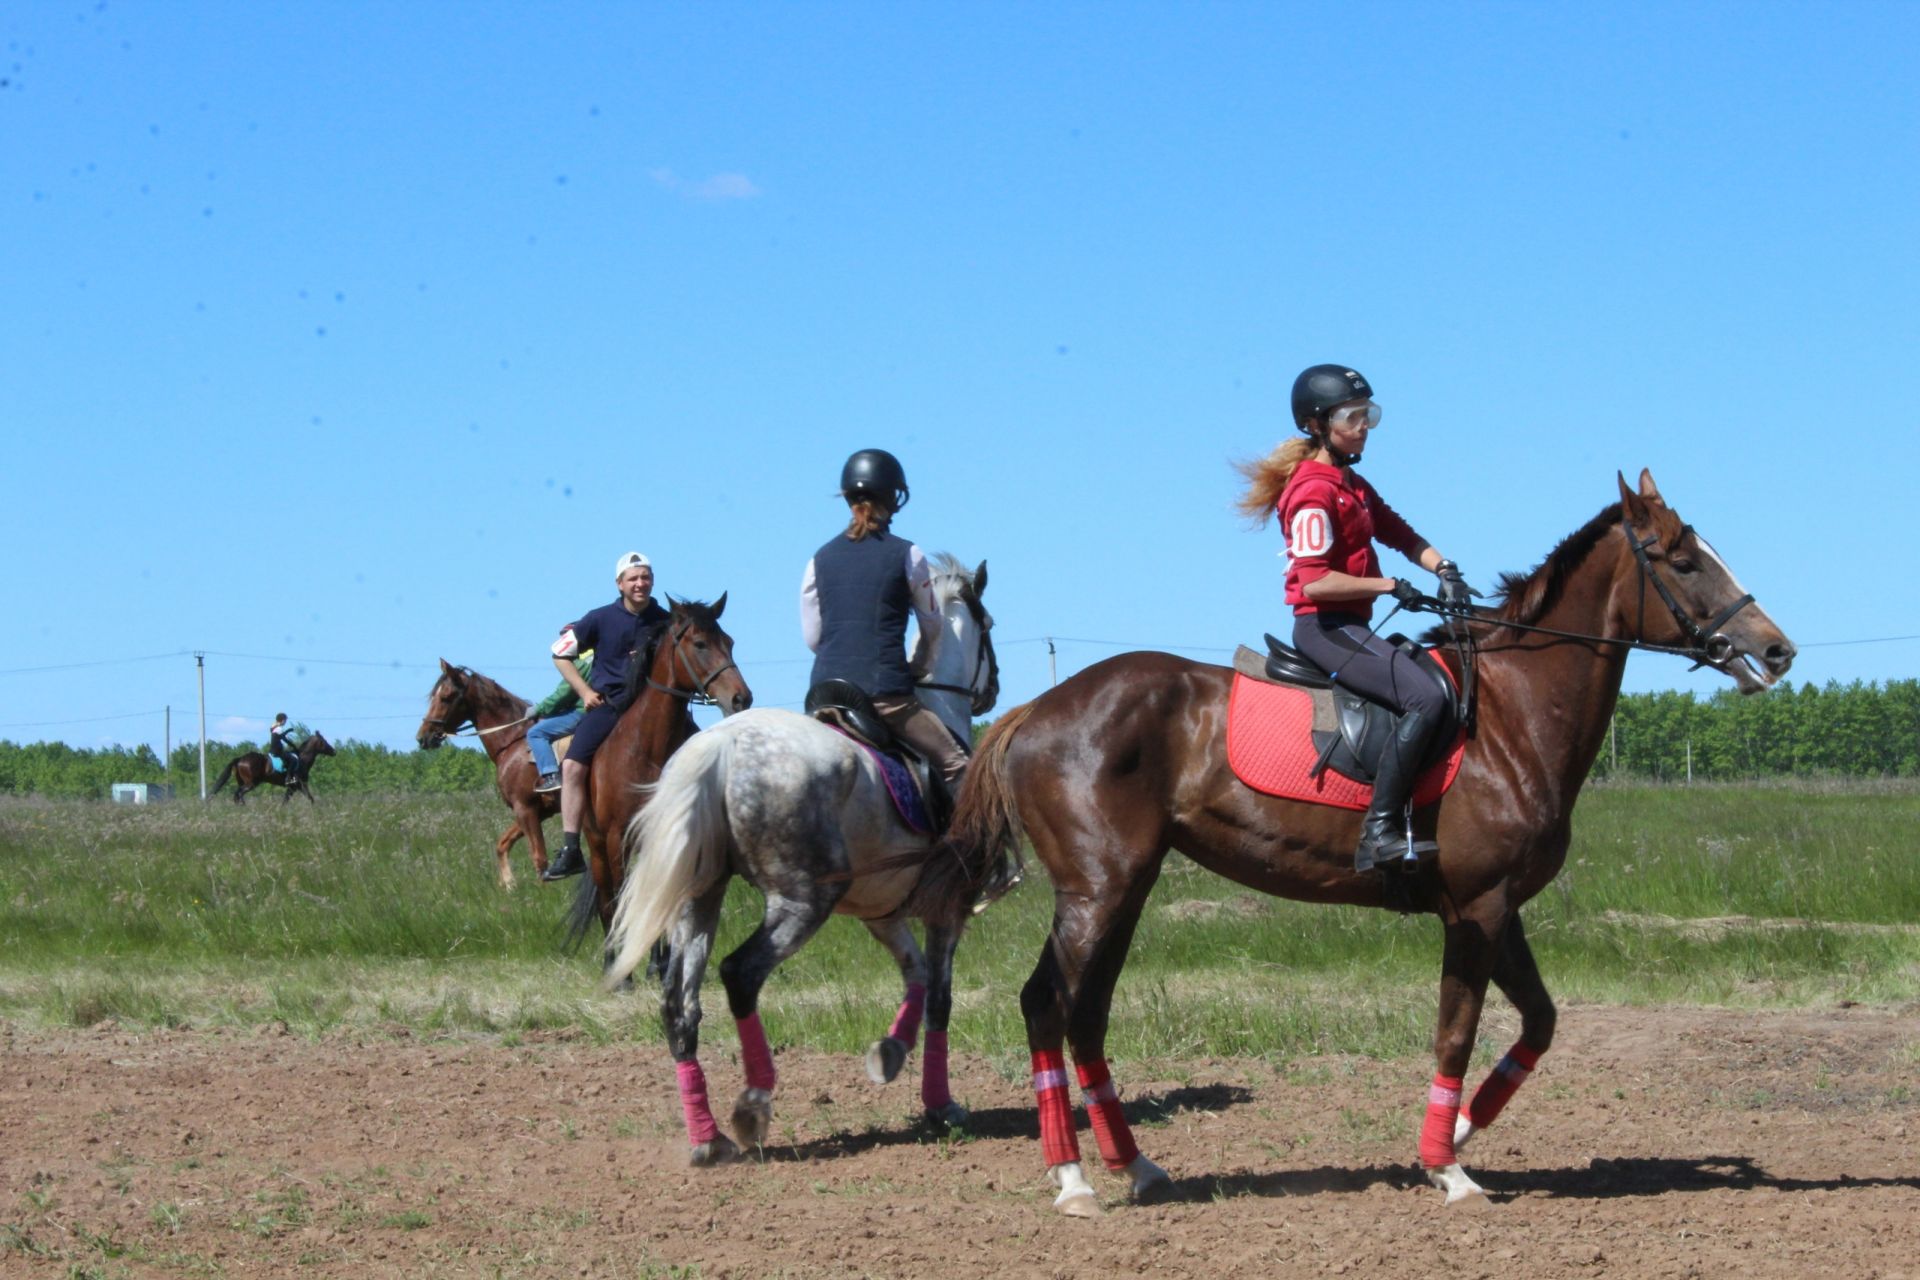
(631, 560)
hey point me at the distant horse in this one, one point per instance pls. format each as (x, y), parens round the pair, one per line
(692, 662)
(803, 813)
(1127, 759)
(254, 768)
(500, 720)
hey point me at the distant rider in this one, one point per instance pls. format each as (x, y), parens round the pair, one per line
(280, 744)
(1330, 517)
(619, 634)
(556, 716)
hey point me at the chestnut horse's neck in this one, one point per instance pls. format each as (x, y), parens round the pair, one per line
(1545, 701)
(491, 707)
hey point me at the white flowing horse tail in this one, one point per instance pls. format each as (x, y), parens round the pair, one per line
(676, 850)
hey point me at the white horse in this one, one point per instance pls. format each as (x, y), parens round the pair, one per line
(803, 813)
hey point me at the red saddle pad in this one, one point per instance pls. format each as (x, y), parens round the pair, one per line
(1270, 747)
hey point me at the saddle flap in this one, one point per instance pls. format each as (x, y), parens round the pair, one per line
(846, 707)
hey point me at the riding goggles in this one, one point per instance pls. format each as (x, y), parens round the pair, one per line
(1352, 415)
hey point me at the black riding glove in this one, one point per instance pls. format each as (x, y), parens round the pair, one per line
(1407, 594)
(1454, 591)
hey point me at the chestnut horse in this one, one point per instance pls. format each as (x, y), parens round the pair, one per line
(1127, 759)
(500, 720)
(253, 769)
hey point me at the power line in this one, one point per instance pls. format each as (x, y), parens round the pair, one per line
(103, 662)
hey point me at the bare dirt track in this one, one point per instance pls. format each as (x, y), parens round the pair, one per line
(1663, 1142)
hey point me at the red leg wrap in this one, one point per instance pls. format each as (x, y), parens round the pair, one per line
(906, 1023)
(755, 1055)
(1436, 1136)
(1110, 1129)
(934, 1094)
(1058, 1142)
(1497, 1089)
(693, 1103)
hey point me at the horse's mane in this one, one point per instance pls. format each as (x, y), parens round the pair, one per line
(489, 688)
(1526, 597)
(949, 575)
(700, 612)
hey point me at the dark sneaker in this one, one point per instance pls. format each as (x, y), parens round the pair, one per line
(568, 863)
(548, 782)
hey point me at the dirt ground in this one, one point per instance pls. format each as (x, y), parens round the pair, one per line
(1649, 1143)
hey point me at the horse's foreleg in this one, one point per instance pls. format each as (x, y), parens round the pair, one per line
(680, 1014)
(1473, 941)
(889, 1053)
(784, 928)
(936, 1094)
(1518, 977)
(503, 868)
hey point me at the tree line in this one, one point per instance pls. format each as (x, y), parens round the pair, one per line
(1856, 730)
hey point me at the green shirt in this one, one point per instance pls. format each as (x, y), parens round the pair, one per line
(564, 699)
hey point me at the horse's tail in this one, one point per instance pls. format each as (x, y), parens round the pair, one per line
(224, 775)
(581, 915)
(676, 850)
(985, 834)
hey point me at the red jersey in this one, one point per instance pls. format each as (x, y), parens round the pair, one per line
(1330, 518)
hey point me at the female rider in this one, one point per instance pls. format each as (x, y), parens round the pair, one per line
(855, 598)
(1330, 517)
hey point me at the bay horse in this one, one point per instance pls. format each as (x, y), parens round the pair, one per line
(803, 813)
(1108, 771)
(251, 769)
(500, 719)
(692, 662)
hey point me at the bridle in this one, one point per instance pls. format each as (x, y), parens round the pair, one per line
(453, 730)
(984, 661)
(698, 695)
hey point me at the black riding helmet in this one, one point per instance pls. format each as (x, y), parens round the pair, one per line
(875, 476)
(1321, 388)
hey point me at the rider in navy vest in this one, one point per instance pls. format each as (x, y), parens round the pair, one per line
(855, 598)
(620, 635)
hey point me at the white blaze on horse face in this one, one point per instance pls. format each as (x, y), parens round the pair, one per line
(957, 655)
(1749, 675)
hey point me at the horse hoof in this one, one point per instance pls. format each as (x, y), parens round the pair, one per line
(1076, 1198)
(948, 1118)
(1149, 1183)
(885, 1059)
(753, 1117)
(707, 1154)
(1462, 1130)
(1461, 1190)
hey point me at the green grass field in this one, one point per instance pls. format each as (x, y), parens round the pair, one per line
(367, 913)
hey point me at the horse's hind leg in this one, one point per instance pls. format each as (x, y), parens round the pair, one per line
(935, 1090)
(680, 1013)
(784, 929)
(889, 1053)
(1069, 996)
(1518, 977)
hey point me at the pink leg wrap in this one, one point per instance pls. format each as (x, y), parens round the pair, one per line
(755, 1056)
(906, 1023)
(1497, 1089)
(933, 1072)
(1436, 1136)
(1058, 1142)
(693, 1103)
(1103, 1111)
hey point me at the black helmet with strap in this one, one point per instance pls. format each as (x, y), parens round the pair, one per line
(1322, 387)
(874, 475)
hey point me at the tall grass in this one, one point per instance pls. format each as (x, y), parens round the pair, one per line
(370, 912)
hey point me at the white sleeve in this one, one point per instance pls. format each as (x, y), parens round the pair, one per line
(810, 610)
(926, 609)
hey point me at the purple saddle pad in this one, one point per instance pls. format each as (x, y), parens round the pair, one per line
(907, 800)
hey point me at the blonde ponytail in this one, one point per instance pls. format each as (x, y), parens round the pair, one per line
(1267, 478)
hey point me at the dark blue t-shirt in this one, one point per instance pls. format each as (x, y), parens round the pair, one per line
(618, 639)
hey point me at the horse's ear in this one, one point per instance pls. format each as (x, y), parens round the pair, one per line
(720, 606)
(445, 667)
(1649, 490)
(980, 578)
(1631, 503)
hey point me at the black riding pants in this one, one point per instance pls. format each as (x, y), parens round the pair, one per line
(1368, 665)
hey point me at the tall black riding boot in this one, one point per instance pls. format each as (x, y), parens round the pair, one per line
(1384, 834)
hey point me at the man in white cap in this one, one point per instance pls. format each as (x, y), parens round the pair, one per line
(619, 635)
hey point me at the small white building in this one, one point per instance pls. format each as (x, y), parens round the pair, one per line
(141, 792)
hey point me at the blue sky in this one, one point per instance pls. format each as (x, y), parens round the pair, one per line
(342, 337)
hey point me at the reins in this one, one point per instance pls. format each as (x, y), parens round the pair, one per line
(698, 696)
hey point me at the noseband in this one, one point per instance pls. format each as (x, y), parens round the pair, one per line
(1706, 645)
(983, 660)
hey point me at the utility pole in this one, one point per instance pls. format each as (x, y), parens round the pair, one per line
(200, 662)
(1052, 678)
(1613, 745)
(166, 761)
